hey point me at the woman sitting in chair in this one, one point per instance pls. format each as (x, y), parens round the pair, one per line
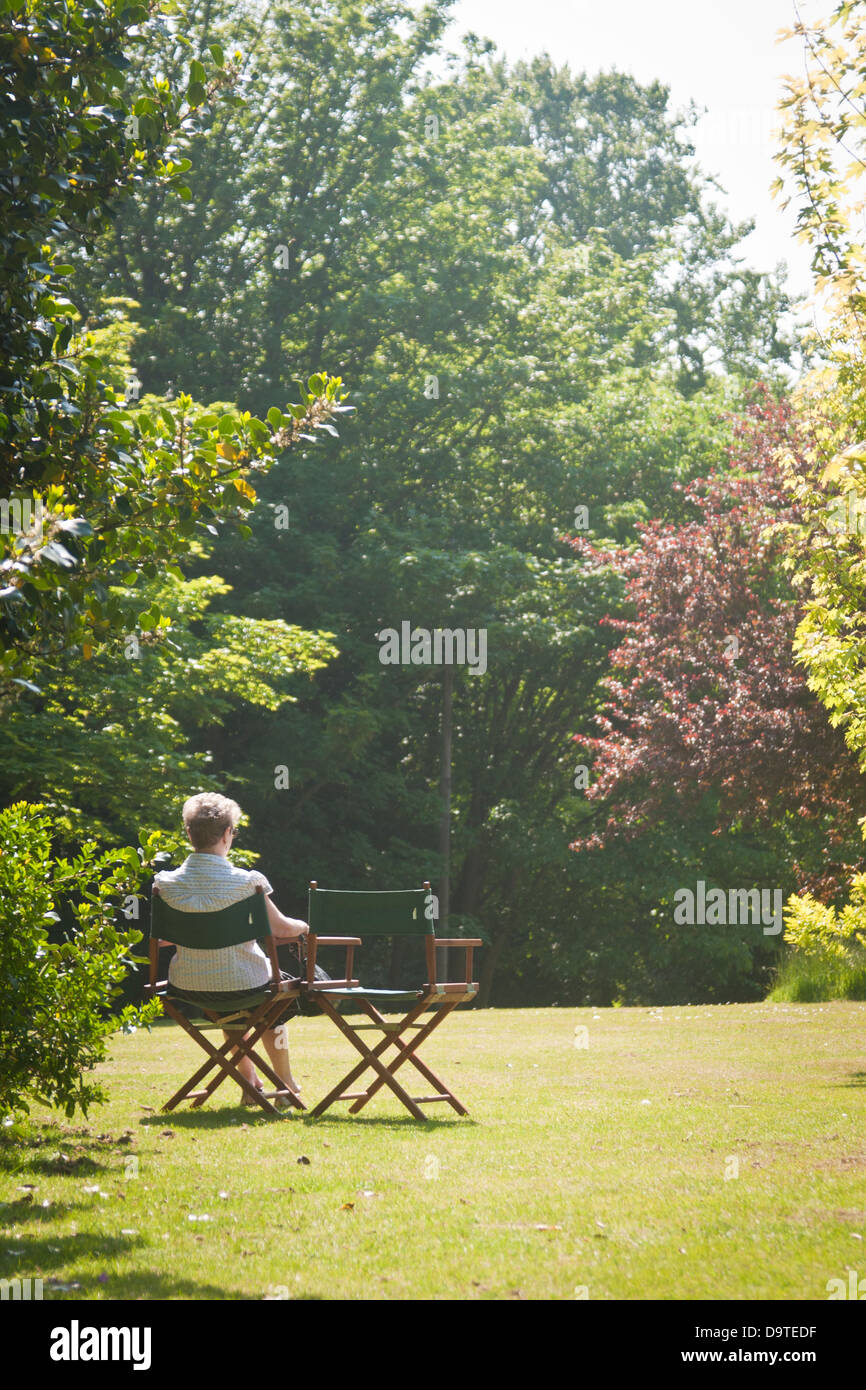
(206, 882)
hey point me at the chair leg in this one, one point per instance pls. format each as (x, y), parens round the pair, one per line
(362, 1066)
(371, 1059)
(246, 1047)
(217, 1057)
(407, 1050)
(203, 1070)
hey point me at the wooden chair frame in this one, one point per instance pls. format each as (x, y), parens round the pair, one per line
(443, 998)
(249, 1023)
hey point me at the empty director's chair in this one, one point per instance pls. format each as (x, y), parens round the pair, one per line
(210, 931)
(332, 915)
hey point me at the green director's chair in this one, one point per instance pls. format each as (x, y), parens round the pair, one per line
(211, 931)
(332, 914)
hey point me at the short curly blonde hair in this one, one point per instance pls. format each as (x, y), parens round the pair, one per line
(207, 817)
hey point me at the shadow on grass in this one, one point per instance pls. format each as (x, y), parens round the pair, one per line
(35, 1258)
(27, 1251)
(58, 1165)
(234, 1116)
(227, 1118)
(21, 1211)
(401, 1122)
(70, 1151)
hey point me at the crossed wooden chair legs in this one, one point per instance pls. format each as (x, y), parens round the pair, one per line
(371, 1058)
(250, 1028)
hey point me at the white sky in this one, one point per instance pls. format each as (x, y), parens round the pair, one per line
(720, 53)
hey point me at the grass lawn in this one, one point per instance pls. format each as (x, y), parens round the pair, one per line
(684, 1153)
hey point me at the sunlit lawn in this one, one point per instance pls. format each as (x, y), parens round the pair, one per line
(683, 1153)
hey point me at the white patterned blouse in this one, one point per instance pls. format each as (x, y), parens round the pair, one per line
(206, 883)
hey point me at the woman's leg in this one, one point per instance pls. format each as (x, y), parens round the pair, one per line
(276, 1041)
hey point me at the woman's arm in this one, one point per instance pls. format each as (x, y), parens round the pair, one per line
(284, 928)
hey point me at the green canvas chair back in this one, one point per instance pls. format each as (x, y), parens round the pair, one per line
(211, 931)
(333, 912)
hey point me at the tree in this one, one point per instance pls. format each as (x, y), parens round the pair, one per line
(93, 489)
(704, 694)
(823, 119)
(825, 115)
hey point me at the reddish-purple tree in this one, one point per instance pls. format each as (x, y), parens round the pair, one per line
(704, 695)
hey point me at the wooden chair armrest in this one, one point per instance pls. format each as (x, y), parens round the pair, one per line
(468, 942)
(312, 942)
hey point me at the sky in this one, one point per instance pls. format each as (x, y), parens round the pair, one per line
(721, 54)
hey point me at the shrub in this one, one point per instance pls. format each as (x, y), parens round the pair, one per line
(55, 994)
(827, 959)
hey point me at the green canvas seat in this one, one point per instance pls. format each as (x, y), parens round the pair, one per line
(332, 915)
(245, 1016)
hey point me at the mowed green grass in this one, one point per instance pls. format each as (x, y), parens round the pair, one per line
(683, 1153)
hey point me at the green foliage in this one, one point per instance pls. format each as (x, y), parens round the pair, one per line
(821, 157)
(815, 928)
(54, 1026)
(824, 115)
(827, 956)
(118, 491)
(146, 708)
